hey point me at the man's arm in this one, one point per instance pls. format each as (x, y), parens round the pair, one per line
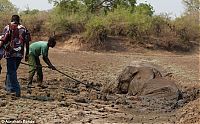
(47, 61)
(4, 36)
(1, 41)
(27, 40)
(27, 48)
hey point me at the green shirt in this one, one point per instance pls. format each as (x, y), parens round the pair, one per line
(39, 48)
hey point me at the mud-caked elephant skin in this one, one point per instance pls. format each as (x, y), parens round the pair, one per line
(142, 77)
(159, 88)
(132, 79)
(125, 78)
(160, 93)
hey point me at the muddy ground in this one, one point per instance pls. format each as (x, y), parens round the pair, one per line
(65, 101)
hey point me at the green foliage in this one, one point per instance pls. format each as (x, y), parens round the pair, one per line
(159, 24)
(122, 22)
(7, 6)
(192, 5)
(119, 15)
(66, 16)
(143, 21)
(94, 6)
(31, 12)
(95, 26)
(96, 33)
(5, 19)
(34, 20)
(99, 19)
(6, 11)
(67, 7)
(58, 23)
(144, 9)
(188, 27)
(115, 11)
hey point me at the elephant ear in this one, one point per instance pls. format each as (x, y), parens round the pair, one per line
(125, 78)
(122, 80)
(143, 75)
(127, 74)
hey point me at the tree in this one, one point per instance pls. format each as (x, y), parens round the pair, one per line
(107, 5)
(192, 5)
(66, 6)
(94, 6)
(31, 12)
(144, 8)
(7, 6)
(192, 10)
(6, 10)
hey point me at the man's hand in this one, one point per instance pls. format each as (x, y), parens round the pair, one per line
(52, 67)
(47, 61)
(26, 58)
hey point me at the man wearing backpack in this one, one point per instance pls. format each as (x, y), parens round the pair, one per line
(15, 37)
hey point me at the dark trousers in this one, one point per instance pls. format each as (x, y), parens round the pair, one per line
(12, 84)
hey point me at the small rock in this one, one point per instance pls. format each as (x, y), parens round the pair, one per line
(130, 106)
(81, 113)
(64, 104)
(102, 110)
(48, 94)
(58, 79)
(121, 101)
(93, 95)
(89, 120)
(82, 100)
(3, 103)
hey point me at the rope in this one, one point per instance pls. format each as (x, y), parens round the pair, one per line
(87, 85)
(80, 82)
(33, 65)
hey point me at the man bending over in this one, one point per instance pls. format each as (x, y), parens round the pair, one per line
(35, 50)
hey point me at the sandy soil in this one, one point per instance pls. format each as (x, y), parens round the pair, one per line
(65, 101)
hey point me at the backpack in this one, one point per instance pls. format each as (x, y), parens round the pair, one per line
(14, 36)
(16, 39)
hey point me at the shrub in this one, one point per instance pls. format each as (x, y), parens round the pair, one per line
(59, 23)
(34, 20)
(96, 33)
(118, 21)
(188, 27)
(7, 9)
(5, 19)
(125, 23)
